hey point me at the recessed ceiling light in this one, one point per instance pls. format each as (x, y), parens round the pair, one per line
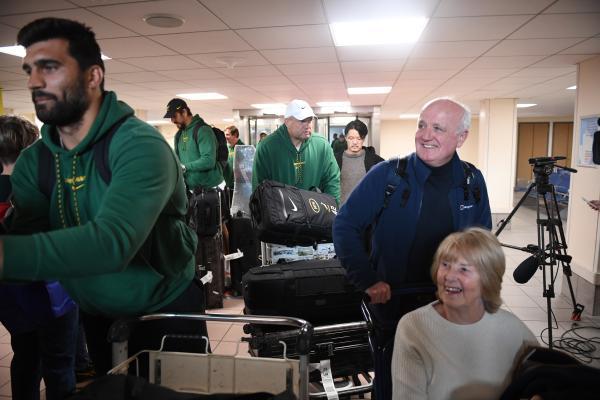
(164, 20)
(381, 31)
(572, 87)
(159, 122)
(202, 96)
(525, 105)
(408, 116)
(370, 90)
(19, 51)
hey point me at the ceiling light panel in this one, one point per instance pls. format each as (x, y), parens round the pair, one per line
(377, 32)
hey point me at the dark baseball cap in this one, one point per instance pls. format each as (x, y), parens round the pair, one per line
(173, 106)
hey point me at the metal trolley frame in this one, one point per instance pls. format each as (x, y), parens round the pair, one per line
(210, 369)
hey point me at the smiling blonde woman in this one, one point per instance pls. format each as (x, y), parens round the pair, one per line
(462, 346)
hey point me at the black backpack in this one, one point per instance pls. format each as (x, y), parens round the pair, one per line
(222, 150)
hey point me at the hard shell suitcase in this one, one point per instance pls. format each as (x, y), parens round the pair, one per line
(314, 290)
(210, 267)
(242, 237)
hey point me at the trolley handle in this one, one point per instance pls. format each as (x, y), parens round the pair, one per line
(121, 329)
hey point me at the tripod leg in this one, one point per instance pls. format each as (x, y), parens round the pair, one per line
(505, 222)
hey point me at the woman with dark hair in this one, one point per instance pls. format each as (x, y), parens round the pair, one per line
(40, 316)
(356, 160)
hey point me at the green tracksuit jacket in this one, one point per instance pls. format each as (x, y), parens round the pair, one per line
(200, 159)
(313, 165)
(119, 249)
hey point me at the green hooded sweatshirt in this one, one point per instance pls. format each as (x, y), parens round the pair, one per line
(313, 165)
(119, 249)
(200, 159)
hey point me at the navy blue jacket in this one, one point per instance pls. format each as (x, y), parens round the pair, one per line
(394, 232)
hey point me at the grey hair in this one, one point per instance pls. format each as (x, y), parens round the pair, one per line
(465, 122)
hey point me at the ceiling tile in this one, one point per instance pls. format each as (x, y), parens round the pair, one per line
(548, 72)
(574, 6)
(301, 56)
(308, 69)
(6, 76)
(560, 26)
(369, 53)
(163, 63)
(531, 47)
(562, 60)
(114, 66)
(260, 13)
(386, 78)
(134, 77)
(373, 66)
(234, 58)
(330, 79)
(435, 63)
(196, 73)
(132, 47)
(264, 80)
(202, 42)
(8, 35)
(32, 6)
(287, 37)
(10, 61)
(467, 48)
(590, 46)
(259, 70)
(427, 74)
(102, 27)
(505, 62)
(467, 28)
(469, 8)
(367, 99)
(131, 15)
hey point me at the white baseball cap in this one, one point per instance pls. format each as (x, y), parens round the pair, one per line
(299, 109)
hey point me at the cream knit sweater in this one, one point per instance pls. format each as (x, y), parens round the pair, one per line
(438, 359)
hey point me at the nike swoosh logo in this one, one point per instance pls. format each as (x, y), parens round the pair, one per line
(293, 204)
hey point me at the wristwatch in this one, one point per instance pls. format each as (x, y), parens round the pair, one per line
(183, 168)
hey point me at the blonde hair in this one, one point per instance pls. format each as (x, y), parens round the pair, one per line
(481, 249)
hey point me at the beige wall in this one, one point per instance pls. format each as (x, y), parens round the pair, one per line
(398, 139)
(583, 224)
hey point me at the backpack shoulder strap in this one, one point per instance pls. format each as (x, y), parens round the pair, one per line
(195, 133)
(396, 174)
(469, 182)
(101, 148)
(46, 172)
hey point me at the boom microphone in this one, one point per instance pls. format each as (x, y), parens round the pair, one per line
(525, 271)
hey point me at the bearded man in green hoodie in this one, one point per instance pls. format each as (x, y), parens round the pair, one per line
(293, 155)
(119, 245)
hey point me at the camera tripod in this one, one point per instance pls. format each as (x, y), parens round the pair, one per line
(550, 253)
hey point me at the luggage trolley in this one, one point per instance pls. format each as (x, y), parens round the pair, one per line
(211, 373)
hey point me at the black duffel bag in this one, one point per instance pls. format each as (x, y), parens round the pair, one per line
(284, 214)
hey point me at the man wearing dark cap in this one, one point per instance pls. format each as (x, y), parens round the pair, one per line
(196, 146)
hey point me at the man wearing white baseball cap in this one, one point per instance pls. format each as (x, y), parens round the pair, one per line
(294, 156)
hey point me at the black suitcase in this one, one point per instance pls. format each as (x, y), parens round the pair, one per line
(204, 212)
(284, 214)
(209, 258)
(243, 237)
(314, 290)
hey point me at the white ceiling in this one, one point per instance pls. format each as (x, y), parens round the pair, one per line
(283, 49)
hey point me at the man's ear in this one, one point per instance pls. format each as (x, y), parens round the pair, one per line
(95, 76)
(462, 137)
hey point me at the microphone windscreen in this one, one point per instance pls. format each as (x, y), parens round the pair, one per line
(525, 271)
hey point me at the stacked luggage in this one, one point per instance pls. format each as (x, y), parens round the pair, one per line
(315, 290)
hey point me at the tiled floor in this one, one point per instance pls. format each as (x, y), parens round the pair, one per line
(526, 301)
